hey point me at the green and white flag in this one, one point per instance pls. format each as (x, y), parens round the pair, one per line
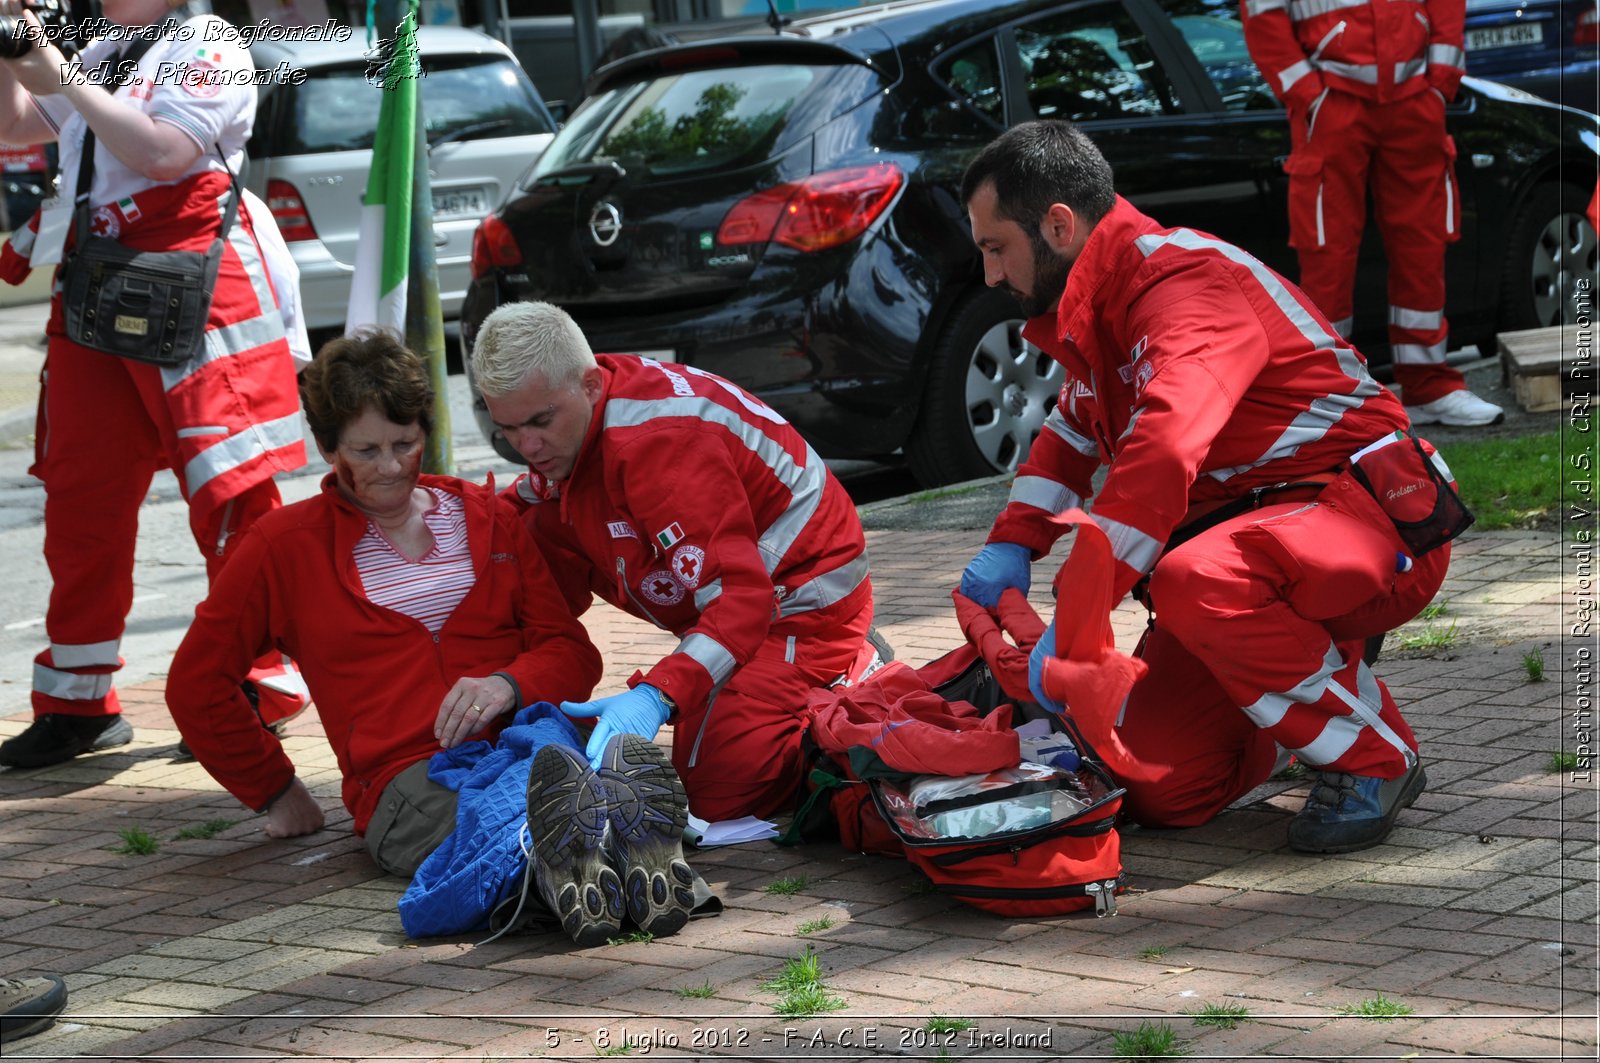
(383, 254)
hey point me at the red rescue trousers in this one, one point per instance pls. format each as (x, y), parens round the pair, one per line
(1343, 146)
(741, 755)
(1260, 626)
(104, 430)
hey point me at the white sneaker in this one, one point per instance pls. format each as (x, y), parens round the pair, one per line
(1458, 408)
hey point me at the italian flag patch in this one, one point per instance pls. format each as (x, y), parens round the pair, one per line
(669, 536)
(130, 209)
(208, 57)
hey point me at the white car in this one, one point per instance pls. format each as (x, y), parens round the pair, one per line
(311, 150)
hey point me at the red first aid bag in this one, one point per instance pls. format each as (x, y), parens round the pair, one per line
(953, 718)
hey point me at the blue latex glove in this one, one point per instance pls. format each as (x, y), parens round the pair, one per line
(640, 711)
(1045, 647)
(997, 566)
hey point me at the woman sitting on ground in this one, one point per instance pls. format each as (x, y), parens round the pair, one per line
(422, 616)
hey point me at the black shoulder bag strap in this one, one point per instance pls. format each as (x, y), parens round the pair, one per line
(126, 62)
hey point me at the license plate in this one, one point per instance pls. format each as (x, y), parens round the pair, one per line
(459, 202)
(1516, 36)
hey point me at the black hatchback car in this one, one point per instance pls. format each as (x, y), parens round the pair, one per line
(781, 207)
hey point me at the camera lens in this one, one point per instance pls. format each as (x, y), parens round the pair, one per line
(16, 37)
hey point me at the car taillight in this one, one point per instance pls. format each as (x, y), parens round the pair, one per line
(1588, 31)
(493, 245)
(815, 214)
(289, 211)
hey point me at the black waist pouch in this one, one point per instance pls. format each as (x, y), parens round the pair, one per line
(147, 306)
(1414, 489)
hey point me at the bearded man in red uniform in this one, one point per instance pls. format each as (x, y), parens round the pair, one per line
(1226, 410)
(686, 501)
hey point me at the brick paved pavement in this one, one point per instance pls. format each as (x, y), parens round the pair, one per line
(1479, 914)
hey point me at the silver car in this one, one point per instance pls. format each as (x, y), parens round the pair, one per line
(311, 150)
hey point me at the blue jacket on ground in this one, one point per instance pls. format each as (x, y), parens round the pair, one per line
(481, 861)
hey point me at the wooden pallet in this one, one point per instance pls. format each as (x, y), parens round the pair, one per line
(1545, 364)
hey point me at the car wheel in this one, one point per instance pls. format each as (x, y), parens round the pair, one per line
(1553, 248)
(987, 394)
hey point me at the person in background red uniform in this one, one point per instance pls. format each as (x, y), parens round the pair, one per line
(1365, 83)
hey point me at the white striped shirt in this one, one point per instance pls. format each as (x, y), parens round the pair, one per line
(429, 588)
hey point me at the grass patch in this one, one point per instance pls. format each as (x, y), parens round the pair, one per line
(1560, 762)
(1221, 1016)
(1533, 664)
(787, 886)
(697, 992)
(633, 937)
(1379, 1008)
(1515, 481)
(814, 926)
(209, 829)
(954, 491)
(1149, 1041)
(799, 987)
(1433, 611)
(1431, 637)
(945, 1024)
(1152, 952)
(137, 842)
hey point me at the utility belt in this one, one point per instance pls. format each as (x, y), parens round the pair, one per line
(1414, 488)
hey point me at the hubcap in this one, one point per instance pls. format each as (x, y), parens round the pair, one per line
(1011, 389)
(1564, 253)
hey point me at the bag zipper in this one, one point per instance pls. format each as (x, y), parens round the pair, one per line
(1104, 892)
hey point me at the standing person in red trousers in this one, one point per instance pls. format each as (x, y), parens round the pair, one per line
(1366, 83)
(224, 422)
(686, 501)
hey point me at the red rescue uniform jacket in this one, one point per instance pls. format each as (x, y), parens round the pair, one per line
(377, 676)
(1196, 374)
(694, 506)
(1376, 49)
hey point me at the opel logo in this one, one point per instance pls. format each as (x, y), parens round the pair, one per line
(605, 223)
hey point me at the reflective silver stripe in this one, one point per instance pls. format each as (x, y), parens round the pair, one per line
(1269, 709)
(1421, 320)
(1261, 7)
(1057, 423)
(1044, 493)
(1449, 202)
(1323, 413)
(1300, 10)
(1338, 734)
(250, 443)
(707, 593)
(1366, 702)
(804, 482)
(1293, 73)
(1444, 470)
(1316, 109)
(1409, 69)
(819, 592)
(1130, 545)
(788, 651)
(70, 686)
(1344, 325)
(1418, 354)
(203, 430)
(1366, 73)
(709, 654)
(1133, 419)
(85, 655)
(1447, 55)
(1322, 232)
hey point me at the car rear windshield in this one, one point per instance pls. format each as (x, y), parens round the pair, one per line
(464, 98)
(684, 122)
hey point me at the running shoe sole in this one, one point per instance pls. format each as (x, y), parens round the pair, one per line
(567, 826)
(649, 810)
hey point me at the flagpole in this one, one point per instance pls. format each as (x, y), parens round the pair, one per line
(424, 321)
